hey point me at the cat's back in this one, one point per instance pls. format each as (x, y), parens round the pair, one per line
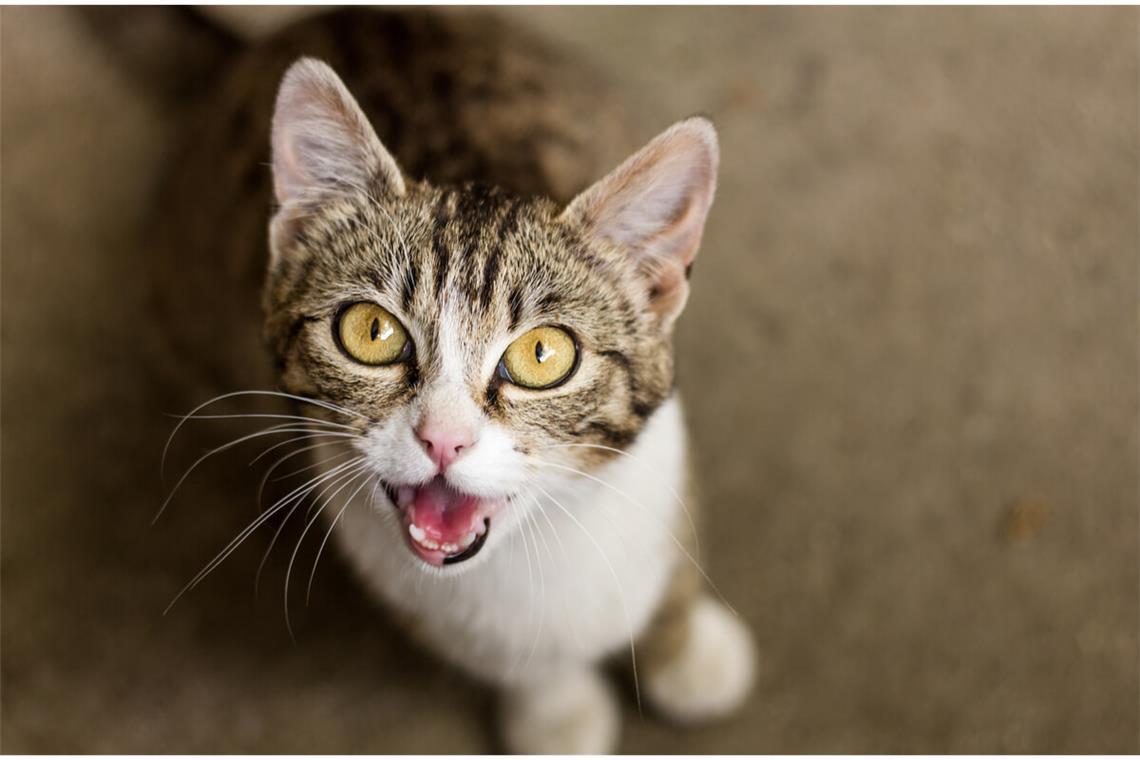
(456, 97)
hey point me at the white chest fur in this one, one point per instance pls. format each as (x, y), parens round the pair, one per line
(566, 586)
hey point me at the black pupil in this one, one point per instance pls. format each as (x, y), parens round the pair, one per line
(538, 352)
(375, 328)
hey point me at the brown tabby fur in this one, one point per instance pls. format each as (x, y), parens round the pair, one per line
(493, 133)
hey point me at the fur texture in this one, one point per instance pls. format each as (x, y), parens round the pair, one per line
(585, 548)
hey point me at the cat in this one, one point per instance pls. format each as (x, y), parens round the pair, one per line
(487, 368)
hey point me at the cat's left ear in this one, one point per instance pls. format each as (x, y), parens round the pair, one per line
(654, 205)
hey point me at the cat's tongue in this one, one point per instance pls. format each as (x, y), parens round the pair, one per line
(444, 524)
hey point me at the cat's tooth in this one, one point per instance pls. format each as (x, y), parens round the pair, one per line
(449, 548)
(469, 539)
(430, 544)
(417, 533)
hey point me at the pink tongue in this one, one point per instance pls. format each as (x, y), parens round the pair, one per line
(443, 514)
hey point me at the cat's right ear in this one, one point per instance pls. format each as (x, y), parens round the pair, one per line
(322, 141)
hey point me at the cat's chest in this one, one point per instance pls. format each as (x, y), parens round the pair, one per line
(562, 590)
(573, 580)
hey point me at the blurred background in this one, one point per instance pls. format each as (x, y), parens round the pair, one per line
(909, 362)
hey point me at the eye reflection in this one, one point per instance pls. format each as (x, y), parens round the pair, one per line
(542, 358)
(370, 334)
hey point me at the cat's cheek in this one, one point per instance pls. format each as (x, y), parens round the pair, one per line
(494, 467)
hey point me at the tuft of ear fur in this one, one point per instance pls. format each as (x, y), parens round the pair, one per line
(323, 142)
(655, 205)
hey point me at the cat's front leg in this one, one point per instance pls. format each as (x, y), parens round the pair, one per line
(574, 713)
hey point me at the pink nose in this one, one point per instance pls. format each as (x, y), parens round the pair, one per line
(442, 443)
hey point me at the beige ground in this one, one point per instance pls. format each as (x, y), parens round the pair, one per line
(910, 362)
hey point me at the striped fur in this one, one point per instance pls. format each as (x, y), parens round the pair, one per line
(467, 267)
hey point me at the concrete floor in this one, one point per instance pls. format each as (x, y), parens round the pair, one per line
(910, 363)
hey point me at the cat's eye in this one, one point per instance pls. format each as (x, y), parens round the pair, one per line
(542, 358)
(371, 335)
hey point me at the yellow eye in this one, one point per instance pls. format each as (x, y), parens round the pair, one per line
(369, 334)
(542, 358)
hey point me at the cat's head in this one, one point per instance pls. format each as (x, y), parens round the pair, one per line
(486, 346)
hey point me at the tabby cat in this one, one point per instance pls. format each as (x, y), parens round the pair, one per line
(486, 344)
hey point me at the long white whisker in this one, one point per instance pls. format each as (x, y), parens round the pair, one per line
(329, 532)
(570, 620)
(286, 443)
(293, 558)
(275, 430)
(617, 582)
(290, 455)
(268, 416)
(542, 593)
(653, 470)
(237, 541)
(327, 483)
(530, 590)
(233, 394)
(645, 509)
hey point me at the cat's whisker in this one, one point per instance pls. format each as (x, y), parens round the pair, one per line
(269, 472)
(298, 501)
(266, 416)
(515, 661)
(274, 430)
(312, 506)
(542, 592)
(312, 465)
(237, 541)
(329, 532)
(617, 582)
(652, 470)
(280, 461)
(570, 620)
(235, 394)
(646, 510)
(286, 443)
(362, 469)
(553, 529)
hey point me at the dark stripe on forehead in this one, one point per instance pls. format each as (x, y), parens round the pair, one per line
(474, 213)
(507, 226)
(509, 223)
(490, 271)
(549, 302)
(515, 305)
(411, 276)
(438, 245)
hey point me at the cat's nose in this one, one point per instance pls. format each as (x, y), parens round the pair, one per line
(444, 443)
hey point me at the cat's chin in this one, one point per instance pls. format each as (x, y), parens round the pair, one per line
(441, 524)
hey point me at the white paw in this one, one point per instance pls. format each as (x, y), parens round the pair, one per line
(712, 674)
(574, 714)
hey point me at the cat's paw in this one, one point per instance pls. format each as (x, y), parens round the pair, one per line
(575, 714)
(711, 674)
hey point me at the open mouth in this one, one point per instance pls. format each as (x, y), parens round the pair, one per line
(443, 526)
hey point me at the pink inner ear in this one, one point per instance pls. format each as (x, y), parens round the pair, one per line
(655, 204)
(321, 135)
(680, 240)
(288, 177)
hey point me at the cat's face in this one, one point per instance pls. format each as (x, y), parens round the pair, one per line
(486, 349)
